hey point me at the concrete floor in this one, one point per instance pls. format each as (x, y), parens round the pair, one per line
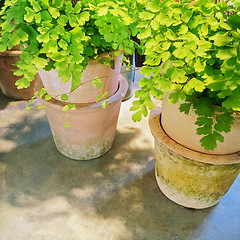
(46, 196)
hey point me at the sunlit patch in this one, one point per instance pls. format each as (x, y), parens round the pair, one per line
(7, 145)
(83, 193)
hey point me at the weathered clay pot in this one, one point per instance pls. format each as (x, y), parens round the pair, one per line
(8, 79)
(182, 129)
(190, 178)
(91, 128)
(86, 91)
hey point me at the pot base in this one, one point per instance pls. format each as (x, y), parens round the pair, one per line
(84, 151)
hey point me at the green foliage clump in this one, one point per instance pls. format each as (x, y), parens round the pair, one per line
(65, 34)
(192, 53)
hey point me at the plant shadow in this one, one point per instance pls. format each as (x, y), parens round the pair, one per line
(4, 101)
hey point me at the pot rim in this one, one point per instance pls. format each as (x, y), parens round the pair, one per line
(236, 113)
(102, 55)
(160, 135)
(120, 93)
(11, 53)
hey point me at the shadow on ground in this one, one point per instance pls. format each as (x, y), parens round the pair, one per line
(117, 191)
(112, 197)
(4, 101)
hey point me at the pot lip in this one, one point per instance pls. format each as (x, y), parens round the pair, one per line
(160, 135)
(119, 94)
(11, 53)
(236, 114)
(93, 61)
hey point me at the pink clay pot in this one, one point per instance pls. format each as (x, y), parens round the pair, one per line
(8, 79)
(181, 128)
(91, 130)
(86, 92)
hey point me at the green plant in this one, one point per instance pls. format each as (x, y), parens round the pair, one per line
(65, 34)
(192, 52)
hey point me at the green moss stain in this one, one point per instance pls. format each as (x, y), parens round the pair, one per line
(193, 179)
(93, 148)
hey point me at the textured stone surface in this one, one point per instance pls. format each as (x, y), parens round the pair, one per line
(191, 183)
(46, 196)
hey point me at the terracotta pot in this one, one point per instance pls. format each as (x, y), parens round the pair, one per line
(129, 75)
(182, 129)
(8, 80)
(190, 178)
(91, 128)
(86, 92)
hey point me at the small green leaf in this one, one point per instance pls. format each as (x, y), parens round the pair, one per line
(155, 24)
(66, 125)
(221, 40)
(63, 44)
(213, 22)
(64, 97)
(201, 121)
(41, 106)
(223, 123)
(3, 46)
(146, 15)
(54, 12)
(185, 108)
(39, 62)
(42, 92)
(72, 106)
(62, 20)
(22, 83)
(218, 136)
(103, 11)
(65, 108)
(178, 76)
(30, 14)
(77, 7)
(171, 35)
(233, 101)
(83, 17)
(225, 25)
(186, 16)
(36, 6)
(48, 97)
(97, 82)
(183, 29)
(146, 71)
(153, 7)
(226, 53)
(137, 117)
(149, 103)
(7, 26)
(197, 84)
(145, 34)
(45, 2)
(104, 103)
(208, 142)
(180, 53)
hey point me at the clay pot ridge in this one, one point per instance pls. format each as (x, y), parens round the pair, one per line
(11, 53)
(159, 133)
(91, 105)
